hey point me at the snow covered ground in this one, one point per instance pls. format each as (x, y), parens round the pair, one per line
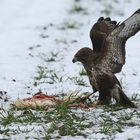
(44, 35)
(21, 25)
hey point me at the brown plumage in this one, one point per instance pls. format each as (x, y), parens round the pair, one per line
(108, 56)
(98, 34)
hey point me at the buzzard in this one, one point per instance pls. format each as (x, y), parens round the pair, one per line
(108, 57)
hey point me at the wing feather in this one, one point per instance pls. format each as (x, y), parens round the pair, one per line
(100, 31)
(113, 49)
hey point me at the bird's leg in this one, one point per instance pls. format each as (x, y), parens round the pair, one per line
(83, 99)
(102, 100)
(87, 96)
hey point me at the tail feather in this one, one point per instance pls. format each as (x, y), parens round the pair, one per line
(124, 100)
(121, 98)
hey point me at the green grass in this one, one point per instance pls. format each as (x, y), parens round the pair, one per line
(82, 73)
(61, 120)
(78, 81)
(136, 97)
(78, 9)
(45, 75)
(70, 25)
(51, 57)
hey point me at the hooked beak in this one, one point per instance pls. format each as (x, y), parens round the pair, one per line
(74, 60)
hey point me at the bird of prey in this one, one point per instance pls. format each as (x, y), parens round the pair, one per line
(108, 57)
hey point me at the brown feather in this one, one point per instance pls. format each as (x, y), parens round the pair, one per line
(108, 56)
(100, 30)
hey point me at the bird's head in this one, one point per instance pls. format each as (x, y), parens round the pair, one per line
(84, 55)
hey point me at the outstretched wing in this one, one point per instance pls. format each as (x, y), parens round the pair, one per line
(100, 31)
(113, 49)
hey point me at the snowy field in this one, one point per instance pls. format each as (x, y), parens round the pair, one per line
(38, 39)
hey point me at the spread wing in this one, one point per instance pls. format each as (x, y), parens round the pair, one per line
(100, 31)
(113, 49)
